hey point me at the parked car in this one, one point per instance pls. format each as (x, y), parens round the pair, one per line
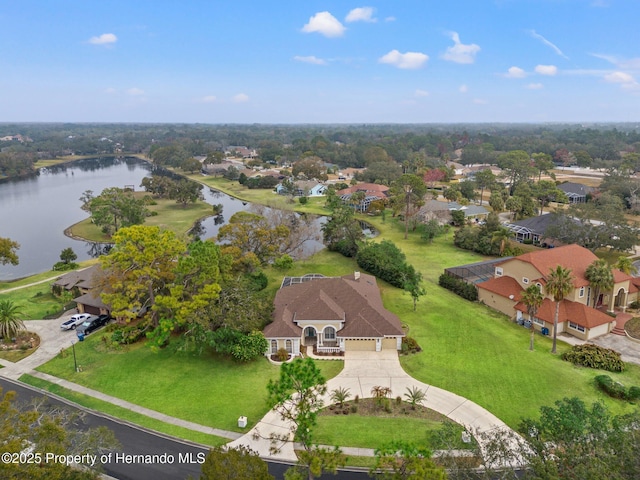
(75, 321)
(92, 324)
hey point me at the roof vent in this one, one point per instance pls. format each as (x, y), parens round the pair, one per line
(356, 275)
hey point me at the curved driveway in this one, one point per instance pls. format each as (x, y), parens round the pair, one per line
(362, 371)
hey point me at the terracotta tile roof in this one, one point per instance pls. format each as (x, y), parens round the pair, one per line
(503, 286)
(569, 311)
(357, 302)
(372, 189)
(619, 276)
(572, 257)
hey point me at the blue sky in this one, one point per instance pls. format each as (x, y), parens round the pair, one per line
(240, 61)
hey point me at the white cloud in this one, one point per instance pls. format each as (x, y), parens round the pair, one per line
(209, 99)
(515, 72)
(390, 19)
(310, 59)
(325, 24)
(241, 98)
(631, 64)
(409, 60)
(535, 86)
(361, 14)
(104, 39)
(625, 80)
(135, 92)
(480, 101)
(463, 89)
(461, 53)
(421, 93)
(537, 36)
(549, 70)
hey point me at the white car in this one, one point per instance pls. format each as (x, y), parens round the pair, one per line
(75, 321)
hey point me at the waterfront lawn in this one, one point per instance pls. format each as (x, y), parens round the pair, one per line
(35, 302)
(123, 413)
(210, 390)
(167, 215)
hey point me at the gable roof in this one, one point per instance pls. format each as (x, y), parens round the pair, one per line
(503, 286)
(569, 311)
(538, 225)
(85, 278)
(573, 257)
(354, 301)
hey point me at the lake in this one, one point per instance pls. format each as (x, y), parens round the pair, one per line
(35, 211)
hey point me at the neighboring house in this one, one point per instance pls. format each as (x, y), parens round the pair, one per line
(307, 188)
(576, 192)
(577, 317)
(85, 286)
(533, 229)
(331, 315)
(372, 191)
(441, 211)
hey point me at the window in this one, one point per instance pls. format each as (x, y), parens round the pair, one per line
(498, 271)
(525, 280)
(288, 346)
(539, 285)
(577, 327)
(537, 321)
(274, 346)
(329, 333)
(581, 292)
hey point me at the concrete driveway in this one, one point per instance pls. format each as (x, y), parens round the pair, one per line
(52, 340)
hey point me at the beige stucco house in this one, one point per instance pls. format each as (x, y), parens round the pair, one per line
(331, 315)
(581, 314)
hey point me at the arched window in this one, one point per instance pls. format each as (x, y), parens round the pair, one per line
(330, 333)
(274, 346)
(287, 346)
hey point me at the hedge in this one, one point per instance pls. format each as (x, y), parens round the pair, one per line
(459, 287)
(616, 389)
(594, 356)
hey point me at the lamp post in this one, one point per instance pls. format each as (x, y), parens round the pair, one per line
(75, 361)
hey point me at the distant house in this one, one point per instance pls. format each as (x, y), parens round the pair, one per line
(372, 191)
(576, 192)
(441, 211)
(85, 286)
(331, 315)
(307, 188)
(578, 316)
(534, 229)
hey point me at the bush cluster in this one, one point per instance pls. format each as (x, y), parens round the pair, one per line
(594, 356)
(387, 262)
(459, 287)
(410, 345)
(129, 334)
(616, 389)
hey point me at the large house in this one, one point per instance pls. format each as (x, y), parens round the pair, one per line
(581, 314)
(372, 193)
(331, 315)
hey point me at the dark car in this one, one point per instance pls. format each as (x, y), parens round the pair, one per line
(92, 324)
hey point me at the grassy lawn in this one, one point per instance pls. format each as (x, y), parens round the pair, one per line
(123, 413)
(35, 302)
(209, 390)
(170, 215)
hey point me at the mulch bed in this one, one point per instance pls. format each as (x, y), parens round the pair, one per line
(632, 327)
(368, 407)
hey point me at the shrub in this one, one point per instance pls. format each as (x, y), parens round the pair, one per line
(387, 262)
(635, 304)
(282, 354)
(633, 393)
(303, 200)
(459, 287)
(410, 345)
(611, 388)
(594, 356)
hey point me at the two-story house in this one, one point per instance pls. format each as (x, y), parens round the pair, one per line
(581, 314)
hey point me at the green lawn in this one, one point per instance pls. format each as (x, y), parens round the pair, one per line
(36, 302)
(123, 413)
(170, 215)
(210, 390)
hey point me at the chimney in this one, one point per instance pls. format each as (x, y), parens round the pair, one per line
(356, 275)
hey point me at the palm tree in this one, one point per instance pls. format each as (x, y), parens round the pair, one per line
(559, 284)
(532, 298)
(600, 277)
(340, 395)
(414, 396)
(624, 264)
(501, 236)
(10, 324)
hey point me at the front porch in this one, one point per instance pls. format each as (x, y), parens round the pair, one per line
(322, 343)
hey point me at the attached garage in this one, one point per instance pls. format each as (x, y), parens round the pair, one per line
(357, 345)
(389, 343)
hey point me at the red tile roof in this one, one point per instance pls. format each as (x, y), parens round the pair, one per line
(372, 189)
(569, 311)
(572, 257)
(503, 286)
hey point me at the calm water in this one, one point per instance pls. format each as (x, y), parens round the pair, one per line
(35, 211)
